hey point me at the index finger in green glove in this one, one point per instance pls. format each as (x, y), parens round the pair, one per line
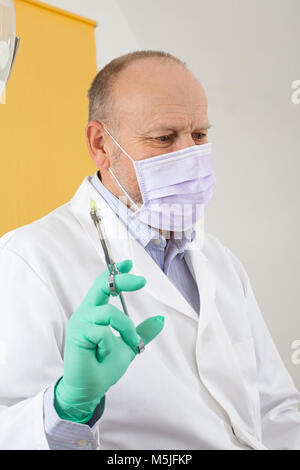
(99, 292)
(111, 315)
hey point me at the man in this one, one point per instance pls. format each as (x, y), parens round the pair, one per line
(210, 376)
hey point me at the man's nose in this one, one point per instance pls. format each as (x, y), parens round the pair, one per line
(184, 140)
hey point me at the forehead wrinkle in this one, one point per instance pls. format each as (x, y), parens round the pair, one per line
(179, 111)
(179, 108)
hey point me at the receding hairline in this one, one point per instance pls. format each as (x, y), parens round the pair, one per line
(100, 94)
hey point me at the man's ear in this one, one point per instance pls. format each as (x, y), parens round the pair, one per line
(95, 138)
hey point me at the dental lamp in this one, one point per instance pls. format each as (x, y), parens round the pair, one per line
(9, 43)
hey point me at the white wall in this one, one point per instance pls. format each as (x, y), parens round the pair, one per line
(113, 35)
(246, 54)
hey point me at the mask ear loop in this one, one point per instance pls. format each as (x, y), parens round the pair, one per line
(121, 187)
(114, 177)
(121, 148)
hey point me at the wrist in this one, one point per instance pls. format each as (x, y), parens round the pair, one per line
(69, 408)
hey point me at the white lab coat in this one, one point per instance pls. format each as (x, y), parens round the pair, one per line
(214, 381)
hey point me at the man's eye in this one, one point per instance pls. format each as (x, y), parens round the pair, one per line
(166, 138)
(163, 138)
(199, 135)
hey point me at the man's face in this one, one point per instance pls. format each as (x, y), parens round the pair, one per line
(161, 108)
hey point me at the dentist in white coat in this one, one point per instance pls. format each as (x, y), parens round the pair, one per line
(212, 378)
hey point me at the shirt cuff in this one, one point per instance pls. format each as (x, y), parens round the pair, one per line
(62, 434)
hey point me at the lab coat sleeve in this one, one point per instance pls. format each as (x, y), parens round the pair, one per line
(31, 346)
(279, 398)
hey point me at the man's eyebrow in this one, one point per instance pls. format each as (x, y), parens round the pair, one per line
(172, 128)
(206, 127)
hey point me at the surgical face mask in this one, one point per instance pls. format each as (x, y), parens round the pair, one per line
(175, 187)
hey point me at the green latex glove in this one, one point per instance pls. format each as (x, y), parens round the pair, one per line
(94, 357)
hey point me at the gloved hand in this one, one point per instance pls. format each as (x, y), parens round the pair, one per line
(94, 357)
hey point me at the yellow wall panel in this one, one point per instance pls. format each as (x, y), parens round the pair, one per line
(43, 152)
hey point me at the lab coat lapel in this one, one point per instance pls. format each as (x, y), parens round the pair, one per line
(124, 246)
(216, 359)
